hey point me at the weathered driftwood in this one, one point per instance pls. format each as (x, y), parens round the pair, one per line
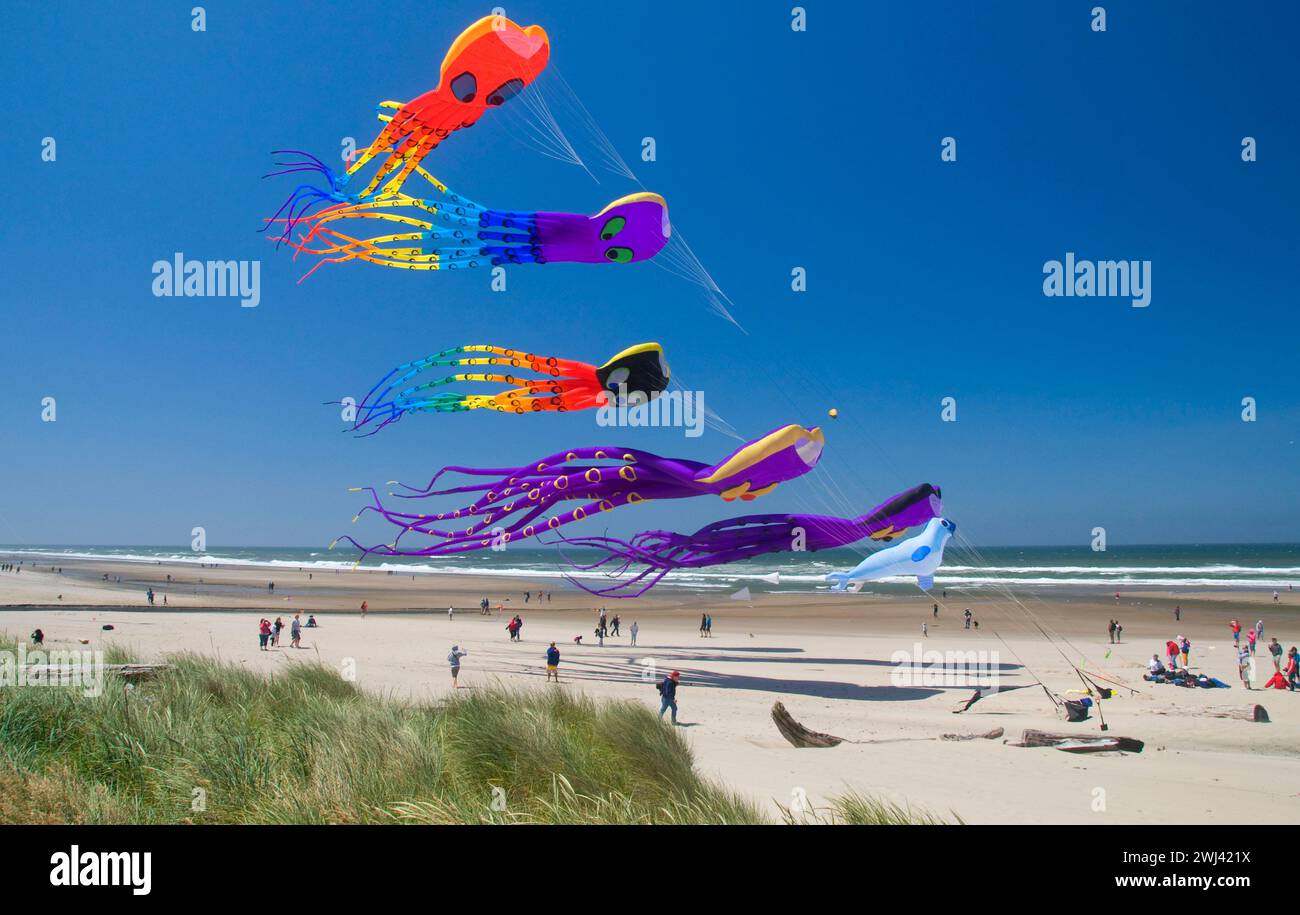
(58, 672)
(799, 735)
(1243, 712)
(1034, 738)
(987, 735)
(1089, 745)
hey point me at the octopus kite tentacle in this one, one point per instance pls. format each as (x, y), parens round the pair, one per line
(635, 375)
(644, 560)
(511, 505)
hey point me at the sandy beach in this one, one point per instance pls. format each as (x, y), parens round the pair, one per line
(829, 658)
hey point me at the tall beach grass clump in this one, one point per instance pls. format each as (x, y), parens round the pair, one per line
(207, 742)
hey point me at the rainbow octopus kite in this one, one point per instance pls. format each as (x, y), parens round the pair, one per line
(490, 62)
(516, 499)
(450, 231)
(644, 560)
(637, 374)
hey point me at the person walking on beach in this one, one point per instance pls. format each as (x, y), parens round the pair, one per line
(263, 633)
(1251, 638)
(1110, 629)
(483, 607)
(149, 594)
(708, 626)
(936, 611)
(1259, 629)
(295, 632)
(451, 614)
(966, 614)
(1292, 668)
(1275, 649)
(632, 631)
(704, 623)
(365, 605)
(527, 594)
(1244, 663)
(453, 658)
(519, 628)
(275, 631)
(1119, 632)
(1178, 613)
(1236, 633)
(553, 663)
(613, 625)
(925, 630)
(668, 694)
(600, 634)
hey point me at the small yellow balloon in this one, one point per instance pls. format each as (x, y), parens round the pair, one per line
(833, 413)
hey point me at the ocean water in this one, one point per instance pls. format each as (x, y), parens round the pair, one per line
(1229, 566)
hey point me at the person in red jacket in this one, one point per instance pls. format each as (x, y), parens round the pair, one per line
(1292, 669)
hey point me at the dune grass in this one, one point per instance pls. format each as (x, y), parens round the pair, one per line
(208, 742)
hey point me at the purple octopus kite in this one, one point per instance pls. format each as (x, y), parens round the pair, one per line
(644, 560)
(518, 502)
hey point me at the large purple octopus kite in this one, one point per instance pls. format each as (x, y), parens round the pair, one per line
(644, 560)
(514, 501)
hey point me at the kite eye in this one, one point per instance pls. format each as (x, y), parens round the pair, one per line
(464, 87)
(507, 90)
(619, 255)
(612, 228)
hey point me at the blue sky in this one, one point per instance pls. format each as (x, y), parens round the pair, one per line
(775, 149)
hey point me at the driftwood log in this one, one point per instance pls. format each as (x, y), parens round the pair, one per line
(59, 673)
(1242, 712)
(797, 734)
(987, 735)
(1034, 738)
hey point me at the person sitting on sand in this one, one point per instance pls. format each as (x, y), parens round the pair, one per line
(311, 621)
(38, 638)
(1155, 665)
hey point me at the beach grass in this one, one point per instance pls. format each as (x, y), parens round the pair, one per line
(211, 742)
(207, 742)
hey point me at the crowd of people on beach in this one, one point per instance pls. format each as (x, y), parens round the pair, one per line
(1174, 668)
(268, 633)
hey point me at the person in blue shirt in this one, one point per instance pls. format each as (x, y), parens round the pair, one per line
(668, 694)
(553, 663)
